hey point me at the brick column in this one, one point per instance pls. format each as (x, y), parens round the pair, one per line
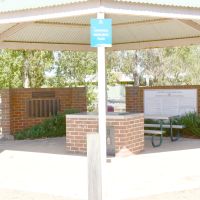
(5, 128)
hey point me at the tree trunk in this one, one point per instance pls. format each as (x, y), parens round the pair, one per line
(26, 81)
(136, 66)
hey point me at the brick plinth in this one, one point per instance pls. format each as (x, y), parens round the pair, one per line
(128, 130)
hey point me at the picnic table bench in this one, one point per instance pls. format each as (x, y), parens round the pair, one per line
(160, 132)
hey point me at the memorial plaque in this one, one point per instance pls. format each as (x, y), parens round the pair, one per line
(43, 94)
(170, 101)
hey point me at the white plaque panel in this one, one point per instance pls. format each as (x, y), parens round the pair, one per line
(170, 102)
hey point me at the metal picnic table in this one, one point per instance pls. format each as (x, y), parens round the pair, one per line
(161, 119)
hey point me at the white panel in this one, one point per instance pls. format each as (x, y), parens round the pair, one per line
(170, 101)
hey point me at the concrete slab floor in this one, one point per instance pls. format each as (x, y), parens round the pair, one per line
(42, 170)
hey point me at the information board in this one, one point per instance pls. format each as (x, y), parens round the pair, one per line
(101, 32)
(170, 101)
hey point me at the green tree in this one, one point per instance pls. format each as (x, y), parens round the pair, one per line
(167, 66)
(140, 63)
(10, 72)
(24, 68)
(178, 65)
(74, 69)
(112, 67)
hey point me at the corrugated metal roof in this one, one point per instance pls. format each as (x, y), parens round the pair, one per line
(41, 32)
(16, 5)
(180, 3)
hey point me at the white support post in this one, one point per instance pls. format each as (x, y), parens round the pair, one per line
(102, 108)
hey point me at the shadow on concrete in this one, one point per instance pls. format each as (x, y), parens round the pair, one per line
(46, 145)
(58, 145)
(168, 145)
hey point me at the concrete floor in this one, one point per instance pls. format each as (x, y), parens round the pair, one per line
(42, 170)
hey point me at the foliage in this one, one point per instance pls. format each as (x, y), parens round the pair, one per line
(35, 69)
(23, 68)
(36, 63)
(112, 69)
(91, 98)
(52, 127)
(139, 64)
(167, 66)
(72, 69)
(192, 122)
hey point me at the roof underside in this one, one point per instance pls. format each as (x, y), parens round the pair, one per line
(130, 31)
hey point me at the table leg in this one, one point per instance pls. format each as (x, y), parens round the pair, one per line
(153, 140)
(160, 137)
(171, 133)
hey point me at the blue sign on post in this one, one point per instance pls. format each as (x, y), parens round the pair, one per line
(101, 33)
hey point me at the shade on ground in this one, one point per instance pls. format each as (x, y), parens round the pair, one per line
(173, 167)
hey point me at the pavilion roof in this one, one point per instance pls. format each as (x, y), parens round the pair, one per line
(65, 24)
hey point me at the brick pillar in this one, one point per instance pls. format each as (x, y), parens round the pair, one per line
(5, 128)
(134, 99)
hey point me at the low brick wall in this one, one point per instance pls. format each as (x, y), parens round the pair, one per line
(135, 96)
(68, 98)
(14, 109)
(128, 130)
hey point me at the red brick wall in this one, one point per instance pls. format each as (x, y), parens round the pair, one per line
(5, 128)
(129, 132)
(135, 96)
(69, 98)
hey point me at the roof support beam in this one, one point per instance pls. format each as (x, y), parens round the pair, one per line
(68, 25)
(45, 46)
(191, 23)
(17, 27)
(146, 22)
(86, 47)
(157, 44)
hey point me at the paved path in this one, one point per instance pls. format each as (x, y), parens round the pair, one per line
(41, 169)
(7, 194)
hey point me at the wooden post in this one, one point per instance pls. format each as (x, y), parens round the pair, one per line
(94, 167)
